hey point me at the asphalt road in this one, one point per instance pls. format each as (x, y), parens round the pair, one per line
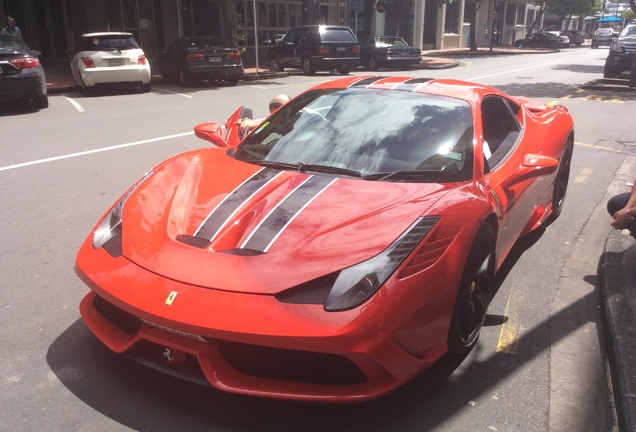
(539, 365)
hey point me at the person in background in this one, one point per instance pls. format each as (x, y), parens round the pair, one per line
(248, 125)
(11, 28)
(622, 208)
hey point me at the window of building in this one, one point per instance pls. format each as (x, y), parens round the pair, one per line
(452, 17)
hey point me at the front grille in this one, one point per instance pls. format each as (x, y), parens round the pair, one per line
(291, 365)
(121, 319)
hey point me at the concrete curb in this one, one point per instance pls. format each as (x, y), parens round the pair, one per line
(620, 328)
(609, 84)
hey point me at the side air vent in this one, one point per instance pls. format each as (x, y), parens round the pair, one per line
(196, 242)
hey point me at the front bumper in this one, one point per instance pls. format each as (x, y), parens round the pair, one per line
(253, 344)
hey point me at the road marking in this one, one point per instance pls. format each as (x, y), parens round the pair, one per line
(88, 152)
(585, 174)
(170, 91)
(75, 104)
(514, 70)
(509, 335)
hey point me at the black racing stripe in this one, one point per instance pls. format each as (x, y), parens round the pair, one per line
(412, 84)
(367, 81)
(220, 215)
(271, 227)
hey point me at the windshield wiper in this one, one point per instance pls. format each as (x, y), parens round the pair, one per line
(303, 167)
(428, 175)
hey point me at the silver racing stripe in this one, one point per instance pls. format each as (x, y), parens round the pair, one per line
(227, 208)
(273, 225)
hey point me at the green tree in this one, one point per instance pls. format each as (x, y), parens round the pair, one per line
(231, 18)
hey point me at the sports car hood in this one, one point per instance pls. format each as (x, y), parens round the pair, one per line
(209, 220)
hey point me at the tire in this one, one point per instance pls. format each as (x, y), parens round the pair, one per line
(561, 180)
(145, 88)
(184, 80)
(610, 72)
(275, 66)
(308, 66)
(87, 91)
(373, 64)
(42, 102)
(473, 294)
(234, 81)
(593, 46)
(344, 70)
(632, 73)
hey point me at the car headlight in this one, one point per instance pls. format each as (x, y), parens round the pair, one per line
(110, 226)
(355, 285)
(618, 47)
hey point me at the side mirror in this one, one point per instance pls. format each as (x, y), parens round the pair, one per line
(533, 166)
(211, 132)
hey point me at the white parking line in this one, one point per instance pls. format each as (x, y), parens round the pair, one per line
(170, 91)
(75, 104)
(88, 152)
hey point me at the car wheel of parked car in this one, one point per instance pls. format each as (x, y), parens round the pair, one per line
(275, 66)
(344, 70)
(233, 81)
(86, 90)
(471, 303)
(145, 88)
(610, 72)
(42, 102)
(308, 66)
(593, 46)
(372, 64)
(183, 79)
(632, 74)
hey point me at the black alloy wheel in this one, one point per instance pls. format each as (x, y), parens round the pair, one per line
(562, 178)
(373, 64)
(473, 295)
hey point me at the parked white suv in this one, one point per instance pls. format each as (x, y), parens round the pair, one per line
(109, 58)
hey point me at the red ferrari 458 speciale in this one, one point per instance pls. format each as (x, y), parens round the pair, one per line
(337, 251)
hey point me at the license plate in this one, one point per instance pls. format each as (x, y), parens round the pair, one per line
(404, 54)
(341, 49)
(215, 59)
(115, 62)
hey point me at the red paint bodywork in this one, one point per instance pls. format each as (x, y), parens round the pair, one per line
(399, 332)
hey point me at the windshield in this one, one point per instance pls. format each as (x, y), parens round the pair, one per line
(193, 44)
(390, 41)
(385, 135)
(629, 31)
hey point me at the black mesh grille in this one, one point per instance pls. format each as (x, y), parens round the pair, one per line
(121, 319)
(290, 365)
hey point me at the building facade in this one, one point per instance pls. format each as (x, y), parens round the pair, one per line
(54, 26)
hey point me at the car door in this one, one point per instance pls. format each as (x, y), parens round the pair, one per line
(502, 133)
(288, 49)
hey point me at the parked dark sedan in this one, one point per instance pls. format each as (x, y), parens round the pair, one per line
(544, 40)
(201, 58)
(21, 74)
(388, 51)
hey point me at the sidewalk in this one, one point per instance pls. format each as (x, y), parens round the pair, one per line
(617, 284)
(60, 80)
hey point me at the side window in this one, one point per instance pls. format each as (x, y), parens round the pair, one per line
(500, 128)
(293, 37)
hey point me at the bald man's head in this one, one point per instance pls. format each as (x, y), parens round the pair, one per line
(278, 102)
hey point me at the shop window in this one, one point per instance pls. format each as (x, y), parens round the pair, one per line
(452, 17)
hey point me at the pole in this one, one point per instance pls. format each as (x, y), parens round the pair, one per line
(256, 35)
